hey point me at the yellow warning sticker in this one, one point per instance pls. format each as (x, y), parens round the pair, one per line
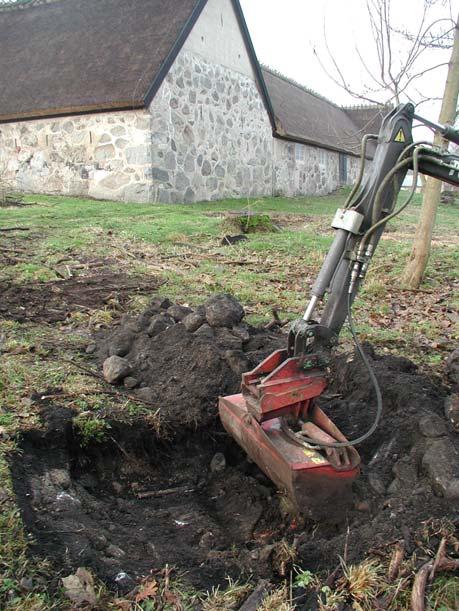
(400, 137)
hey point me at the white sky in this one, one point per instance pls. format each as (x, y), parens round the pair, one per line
(285, 32)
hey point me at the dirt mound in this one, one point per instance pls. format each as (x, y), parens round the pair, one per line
(132, 502)
(181, 360)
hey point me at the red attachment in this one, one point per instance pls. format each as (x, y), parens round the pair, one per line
(318, 481)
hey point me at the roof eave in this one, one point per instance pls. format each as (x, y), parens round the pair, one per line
(54, 113)
(316, 143)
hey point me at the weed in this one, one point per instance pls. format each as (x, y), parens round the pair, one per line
(248, 222)
(90, 430)
(303, 579)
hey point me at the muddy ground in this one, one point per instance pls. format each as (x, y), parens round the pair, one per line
(185, 495)
(54, 301)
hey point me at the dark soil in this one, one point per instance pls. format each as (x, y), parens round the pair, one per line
(83, 505)
(54, 301)
(209, 517)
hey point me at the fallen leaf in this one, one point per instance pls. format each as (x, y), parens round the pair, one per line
(149, 589)
(79, 588)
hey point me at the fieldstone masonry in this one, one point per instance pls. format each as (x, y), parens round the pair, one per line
(211, 135)
(105, 156)
(316, 174)
(206, 136)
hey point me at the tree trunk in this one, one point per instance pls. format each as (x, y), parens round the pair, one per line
(417, 263)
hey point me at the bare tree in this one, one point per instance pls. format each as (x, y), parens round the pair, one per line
(415, 269)
(403, 59)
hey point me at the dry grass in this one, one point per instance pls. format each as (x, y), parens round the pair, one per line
(278, 600)
(226, 600)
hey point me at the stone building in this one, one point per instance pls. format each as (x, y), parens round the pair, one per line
(153, 101)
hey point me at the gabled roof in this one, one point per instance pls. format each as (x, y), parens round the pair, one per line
(302, 115)
(84, 55)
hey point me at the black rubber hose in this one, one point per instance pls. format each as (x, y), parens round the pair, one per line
(379, 402)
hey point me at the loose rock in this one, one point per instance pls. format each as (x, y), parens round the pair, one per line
(159, 323)
(115, 369)
(441, 463)
(193, 321)
(452, 368)
(432, 426)
(218, 463)
(223, 311)
(131, 382)
(205, 330)
(179, 312)
(452, 411)
(121, 343)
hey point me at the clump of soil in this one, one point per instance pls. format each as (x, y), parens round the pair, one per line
(133, 502)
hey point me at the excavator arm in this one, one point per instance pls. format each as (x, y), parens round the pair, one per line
(276, 418)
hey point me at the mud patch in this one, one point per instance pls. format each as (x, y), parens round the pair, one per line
(133, 504)
(54, 301)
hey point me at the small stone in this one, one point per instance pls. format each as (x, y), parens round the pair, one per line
(238, 361)
(376, 483)
(242, 332)
(218, 463)
(115, 552)
(117, 487)
(394, 487)
(441, 464)
(91, 348)
(124, 582)
(60, 478)
(179, 312)
(432, 426)
(207, 540)
(121, 343)
(205, 330)
(159, 323)
(452, 411)
(115, 369)
(131, 382)
(226, 339)
(223, 311)
(98, 540)
(452, 368)
(363, 506)
(26, 584)
(193, 321)
(145, 394)
(206, 168)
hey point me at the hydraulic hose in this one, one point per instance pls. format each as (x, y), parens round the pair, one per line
(374, 381)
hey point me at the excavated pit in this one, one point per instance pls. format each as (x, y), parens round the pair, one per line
(136, 501)
(133, 504)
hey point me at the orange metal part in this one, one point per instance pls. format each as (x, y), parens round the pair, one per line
(318, 481)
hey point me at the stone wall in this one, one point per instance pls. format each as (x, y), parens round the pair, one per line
(211, 135)
(315, 172)
(106, 155)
